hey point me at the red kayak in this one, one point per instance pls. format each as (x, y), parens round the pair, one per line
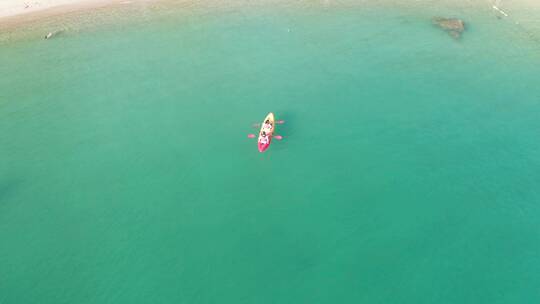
(266, 132)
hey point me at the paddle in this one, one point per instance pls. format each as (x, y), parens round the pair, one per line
(279, 122)
(278, 137)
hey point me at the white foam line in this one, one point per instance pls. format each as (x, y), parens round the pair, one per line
(500, 11)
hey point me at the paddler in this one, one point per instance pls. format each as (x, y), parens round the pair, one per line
(267, 126)
(264, 138)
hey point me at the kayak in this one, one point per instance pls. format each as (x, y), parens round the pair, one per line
(264, 146)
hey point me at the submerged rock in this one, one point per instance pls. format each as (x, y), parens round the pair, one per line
(453, 26)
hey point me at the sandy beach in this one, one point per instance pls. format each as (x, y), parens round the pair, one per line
(10, 8)
(19, 10)
(18, 15)
(46, 18)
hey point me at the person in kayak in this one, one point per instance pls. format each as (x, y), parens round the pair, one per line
(267, 126)
(264, 138)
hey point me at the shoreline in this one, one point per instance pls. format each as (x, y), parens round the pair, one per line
(59, 17)
(10, 9)
(42, 17)
(15, 17)
(15, 9)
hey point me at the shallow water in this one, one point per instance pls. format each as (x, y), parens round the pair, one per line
(408, 173)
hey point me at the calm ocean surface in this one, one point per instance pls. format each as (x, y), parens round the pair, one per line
(409, 171)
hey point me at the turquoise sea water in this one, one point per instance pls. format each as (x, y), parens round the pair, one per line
(409, 171)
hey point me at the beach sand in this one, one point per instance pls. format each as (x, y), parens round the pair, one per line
(10, 8)
(13, 10)
(22, 16)
(21, 20)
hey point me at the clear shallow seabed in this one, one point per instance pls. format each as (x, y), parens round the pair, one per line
(409, 172)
